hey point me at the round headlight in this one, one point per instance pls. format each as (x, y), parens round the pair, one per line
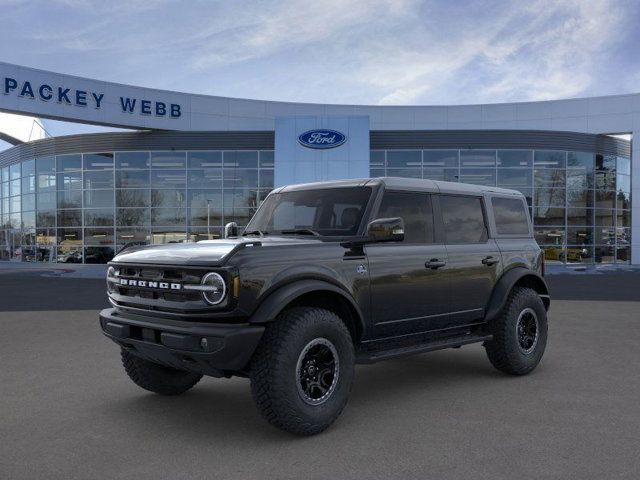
(215, 288)
(111, 273)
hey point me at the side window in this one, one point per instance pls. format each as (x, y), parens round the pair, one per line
(415, 211)
(510, 215)
(463, 219)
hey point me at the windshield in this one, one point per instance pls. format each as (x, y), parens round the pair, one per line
(326, 212)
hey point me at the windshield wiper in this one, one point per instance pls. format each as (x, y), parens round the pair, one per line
(255, 232)
(300, 231)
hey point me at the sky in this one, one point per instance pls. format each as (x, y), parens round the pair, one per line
(380, 52)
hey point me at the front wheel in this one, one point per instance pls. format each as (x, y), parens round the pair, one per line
(519, 333)
(302, 371)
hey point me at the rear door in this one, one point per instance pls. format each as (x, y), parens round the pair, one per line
(473, 258)
(408, 284)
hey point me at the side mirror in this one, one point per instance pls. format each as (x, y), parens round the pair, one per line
(231, 230)
(386, 230)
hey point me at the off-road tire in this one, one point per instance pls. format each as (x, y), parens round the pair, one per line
(274, 379)
(157, 378)
(503, 350)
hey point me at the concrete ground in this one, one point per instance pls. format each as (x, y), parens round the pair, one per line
(68, 411)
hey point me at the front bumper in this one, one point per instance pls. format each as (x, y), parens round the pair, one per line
(209, 348)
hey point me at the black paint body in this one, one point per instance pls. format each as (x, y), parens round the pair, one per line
(396, 297)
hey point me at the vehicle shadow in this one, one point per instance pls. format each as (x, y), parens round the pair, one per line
(214, 410)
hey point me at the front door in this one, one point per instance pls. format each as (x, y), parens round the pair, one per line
(408, 281)
(474, 259)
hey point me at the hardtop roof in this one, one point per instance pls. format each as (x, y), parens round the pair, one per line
(400, 183)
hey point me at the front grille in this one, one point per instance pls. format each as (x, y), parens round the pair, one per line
(152, 298)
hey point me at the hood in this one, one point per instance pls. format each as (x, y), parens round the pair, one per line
(205, 253)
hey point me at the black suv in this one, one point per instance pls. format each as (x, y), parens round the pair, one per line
(328, 275)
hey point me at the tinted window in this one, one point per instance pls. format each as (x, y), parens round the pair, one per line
(510, 215)
(463, 219)
(415, 211)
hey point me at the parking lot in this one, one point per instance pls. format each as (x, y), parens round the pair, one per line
(67, 409)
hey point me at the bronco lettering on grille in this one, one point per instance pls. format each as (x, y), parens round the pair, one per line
(148, 284)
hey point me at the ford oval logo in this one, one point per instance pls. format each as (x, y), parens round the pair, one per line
(322, 138)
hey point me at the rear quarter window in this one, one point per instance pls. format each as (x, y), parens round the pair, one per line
(510, 215)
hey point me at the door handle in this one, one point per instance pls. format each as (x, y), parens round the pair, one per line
(488, 261)
(434, 264)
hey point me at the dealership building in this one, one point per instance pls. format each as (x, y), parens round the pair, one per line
(192, 163)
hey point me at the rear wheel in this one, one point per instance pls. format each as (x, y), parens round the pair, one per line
(158, 378)
(519, 333)
(302, 371)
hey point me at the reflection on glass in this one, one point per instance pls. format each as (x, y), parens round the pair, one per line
(199, 234)
(440, 158)
(478, 176)
(98, 217)
(132, 160)
(69, 253)
(168, 235)
(579, 198)
(132, 198)
(240, 159)
(604, 254)
(266, 159)
(580, 216)
(580, 179)
(581, 160)
(204, 159)
(97, 161)
(98, 254)
(404, 159)
(442, 174)
(168, 198)
(604, 218)
(550, 197)
(168, 160)
(515, 158)
(98, 236)
(514, 177)
(70, 180)
(549, 178)
(129, 235)
(69, 162)
(168, 178)
(98, 179)
(70, 199)
(132, 178)
(69, 218)
(133, 216)
(549, 159)
(548, 216)
(206, 178)
(404, 172)
(168, 216)
(477, 158)
(98, 198)
(580, 236)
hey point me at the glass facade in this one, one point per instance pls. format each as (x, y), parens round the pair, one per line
(580, 202)
(82, 208)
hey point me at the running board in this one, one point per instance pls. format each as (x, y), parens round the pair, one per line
(451, 342)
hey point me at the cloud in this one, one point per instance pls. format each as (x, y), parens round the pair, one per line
(337, 51)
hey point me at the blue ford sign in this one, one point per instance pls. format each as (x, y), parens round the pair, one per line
(322, 138)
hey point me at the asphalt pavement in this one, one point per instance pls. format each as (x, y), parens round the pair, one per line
(68, 411)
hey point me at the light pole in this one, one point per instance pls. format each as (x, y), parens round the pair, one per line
(208, 219)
